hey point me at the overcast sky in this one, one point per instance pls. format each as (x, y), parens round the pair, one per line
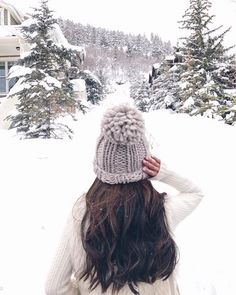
(136, 16)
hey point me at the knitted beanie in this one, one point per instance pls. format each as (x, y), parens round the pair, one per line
(121, 146)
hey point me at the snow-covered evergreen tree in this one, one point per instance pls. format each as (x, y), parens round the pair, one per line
(205, 59)
(134, 88)
(142, 96)
(44, 91)
(157, 47)
(165, 94)
(94, 87)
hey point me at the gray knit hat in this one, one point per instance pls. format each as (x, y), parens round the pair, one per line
(121, 146)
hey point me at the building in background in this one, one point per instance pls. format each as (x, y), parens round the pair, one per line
(11, 42)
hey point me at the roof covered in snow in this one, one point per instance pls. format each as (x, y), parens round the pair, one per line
(18, 15)
(56, 35)
(15, 30)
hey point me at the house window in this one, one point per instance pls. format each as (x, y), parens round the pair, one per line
(11, 82)
(6, 17)
(2, 77)
(6, 84)
(3, 17)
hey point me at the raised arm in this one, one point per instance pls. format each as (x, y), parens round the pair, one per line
(189, 196)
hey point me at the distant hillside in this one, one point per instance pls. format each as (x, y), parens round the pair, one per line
(114, 54)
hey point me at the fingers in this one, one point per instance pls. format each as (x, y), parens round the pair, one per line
(150, 172)
(156, 159)
(151, 165)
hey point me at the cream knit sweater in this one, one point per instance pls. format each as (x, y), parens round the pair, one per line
(71, 255)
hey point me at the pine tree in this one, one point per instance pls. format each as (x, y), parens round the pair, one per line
(94, 87)
(156, 47)
(134, 88)
(165, 94)
(45, 92)
(143, 96)
(140, 92)
(205, 59)
(129, 50)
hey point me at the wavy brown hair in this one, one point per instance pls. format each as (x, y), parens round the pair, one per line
(126, 236)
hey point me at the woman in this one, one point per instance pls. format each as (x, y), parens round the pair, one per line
(119, 237)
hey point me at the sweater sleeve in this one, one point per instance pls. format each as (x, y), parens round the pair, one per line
(183, 203)
(58, 281)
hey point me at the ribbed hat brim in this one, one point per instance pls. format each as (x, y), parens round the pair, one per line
(113, 178)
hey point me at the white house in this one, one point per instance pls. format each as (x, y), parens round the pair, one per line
(12, 45)
(11, 42)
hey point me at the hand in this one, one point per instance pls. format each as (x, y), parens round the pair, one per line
(151, 165)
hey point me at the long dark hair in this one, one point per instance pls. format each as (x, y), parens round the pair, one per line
(126, 236)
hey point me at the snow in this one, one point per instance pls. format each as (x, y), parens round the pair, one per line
(55, 34)
(26, 53)
(50, 82)
(170, 57)
(58, 37)
(79, 85)
(94, 77)
(28, 22)
(156, 65)
(169, 99)
(18, 71)
(41, 179)
(188, 102)
(231, 91)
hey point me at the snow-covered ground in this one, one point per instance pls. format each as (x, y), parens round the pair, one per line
(41, 179)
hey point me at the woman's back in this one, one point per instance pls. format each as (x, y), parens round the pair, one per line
(120, 235)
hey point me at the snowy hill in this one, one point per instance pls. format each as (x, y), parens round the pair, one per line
(41, 179)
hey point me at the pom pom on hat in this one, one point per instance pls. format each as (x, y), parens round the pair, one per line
(123, 124)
